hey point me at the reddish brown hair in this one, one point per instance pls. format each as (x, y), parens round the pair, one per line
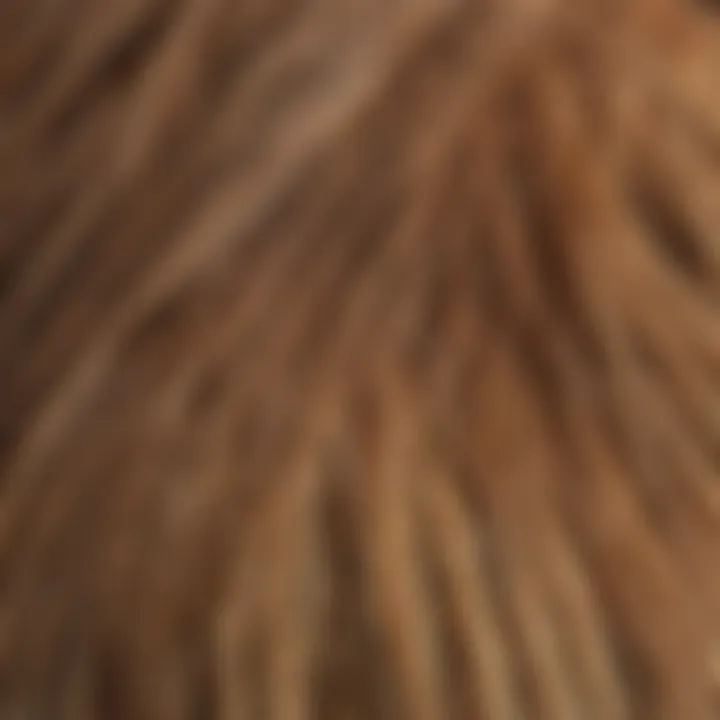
(359, 359)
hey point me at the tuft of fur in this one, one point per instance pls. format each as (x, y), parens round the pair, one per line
(359, 359)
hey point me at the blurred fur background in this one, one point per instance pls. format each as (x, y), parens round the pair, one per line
(359, 360)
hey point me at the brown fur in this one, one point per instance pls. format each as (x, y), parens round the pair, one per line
(359, 359)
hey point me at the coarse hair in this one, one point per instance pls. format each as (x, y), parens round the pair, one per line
(359, 360)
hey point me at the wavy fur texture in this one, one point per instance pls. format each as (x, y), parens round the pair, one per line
(359, 360)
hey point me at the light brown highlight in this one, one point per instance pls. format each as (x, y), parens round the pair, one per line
(360, 359)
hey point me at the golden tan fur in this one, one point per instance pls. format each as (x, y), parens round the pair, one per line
(359, 359)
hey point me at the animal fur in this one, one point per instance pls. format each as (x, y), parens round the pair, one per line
(359, 360)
